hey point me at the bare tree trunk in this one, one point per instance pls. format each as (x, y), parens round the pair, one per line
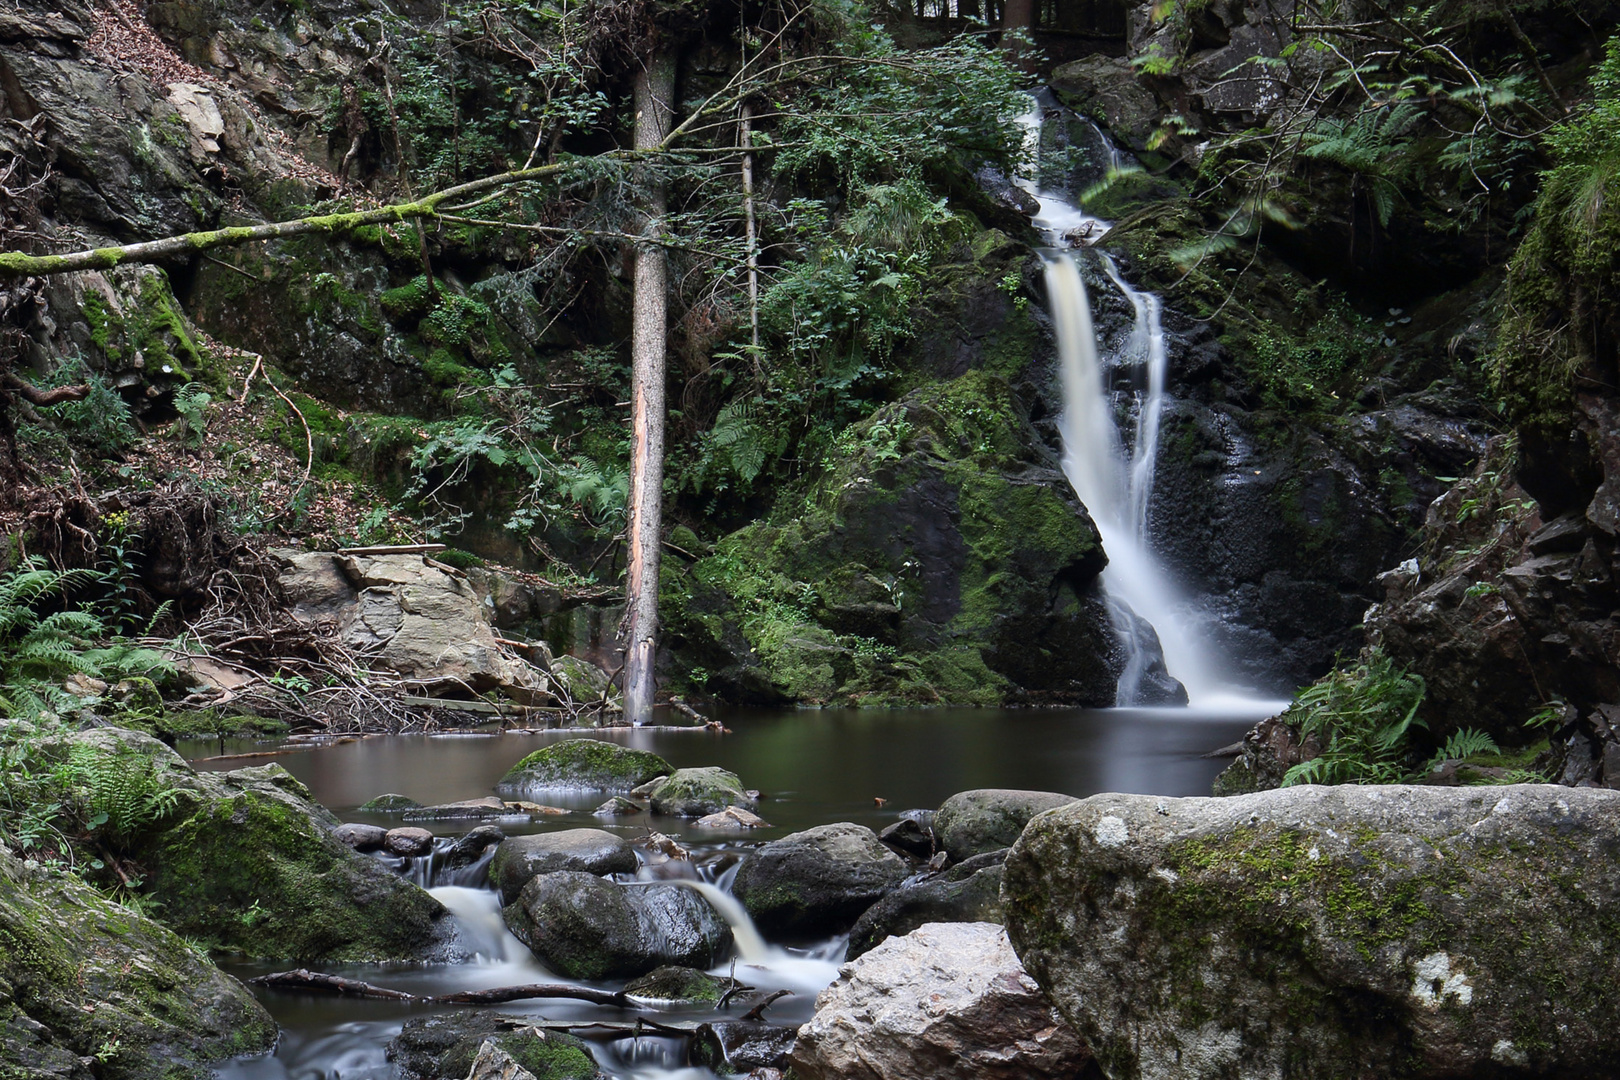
(747, 141)
(654, 99)
(1017, 15)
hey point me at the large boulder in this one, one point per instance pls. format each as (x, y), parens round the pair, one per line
(431, 1047)
(82, 976)
(584, 927)
(817, 881)
(696, 792)
(584, 763)
(248, 861)
(968, 892)
(1316, 931)
(519, 859)
(949, 1001)
(410, 615)
(977, 822)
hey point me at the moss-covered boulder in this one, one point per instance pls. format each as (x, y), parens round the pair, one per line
(585, 927)
(255, 869)
(818, 881)
(584, 763)
(431, 1047)
(695, 792)
(89, 988)
(1329, 931)
(935, 559)
(247, 861)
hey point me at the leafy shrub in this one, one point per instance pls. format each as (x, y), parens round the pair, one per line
(1363, 716)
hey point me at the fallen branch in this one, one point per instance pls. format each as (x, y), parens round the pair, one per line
(758, 1011)
(55, 396)
(319, 982)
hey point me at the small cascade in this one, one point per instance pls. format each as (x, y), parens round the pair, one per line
(478, 916)
(751, 947)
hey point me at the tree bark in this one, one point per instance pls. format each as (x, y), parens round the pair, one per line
(1017, 15)
(747, 142)
(654, 100)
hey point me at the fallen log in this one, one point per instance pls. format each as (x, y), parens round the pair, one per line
(321, 983)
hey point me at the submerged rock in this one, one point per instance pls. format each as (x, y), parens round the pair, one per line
(696, 792)
(469, 848)
(584, 763)
(433, 1047)
(520, 859)
(586, 928)
(82, 976)
(728, 1046)
(817, 881)
(988, 819)
(968, 892)
(949, 1001)
(1329, 931)
(618, 806)
(732, 817)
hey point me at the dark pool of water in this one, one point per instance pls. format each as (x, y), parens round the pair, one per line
(813, 767)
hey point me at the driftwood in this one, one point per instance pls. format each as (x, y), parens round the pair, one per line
(321, 983)
(393, 549)
(758, 1011)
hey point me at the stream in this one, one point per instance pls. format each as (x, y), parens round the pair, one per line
(812, 767)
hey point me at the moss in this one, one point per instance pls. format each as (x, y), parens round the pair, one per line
(254, 873)
(389, 804)
(682, 984)
(588, 763)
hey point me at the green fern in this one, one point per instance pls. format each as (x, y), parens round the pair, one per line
(1371, 146)
(123, 792)
(737, 432)
(1363, 717)
(1464, 744)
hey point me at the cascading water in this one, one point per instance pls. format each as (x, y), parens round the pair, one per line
(1113, 480)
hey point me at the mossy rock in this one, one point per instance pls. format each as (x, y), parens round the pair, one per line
(84, 977)
(252, 868)
(431, 1047)
(585, 763)
(389, 804)
(696, 792)
(1331, 932)
(684, 985)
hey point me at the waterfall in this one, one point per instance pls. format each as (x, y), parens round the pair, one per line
(1113, 480)
(751, 947)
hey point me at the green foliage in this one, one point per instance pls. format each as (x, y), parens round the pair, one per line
(1560, 315)
(1362, 716)
(124, 792)
(191, 402)
(101, 423)
(1300, 368)
(1372, 146)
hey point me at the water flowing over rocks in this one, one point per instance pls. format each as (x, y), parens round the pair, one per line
(970, 891)
(817, 881)
(80, 973)
(520, 859)
(977, 822)
(949, 1001)
(586, 928)
(584, 763)
(1347, 931)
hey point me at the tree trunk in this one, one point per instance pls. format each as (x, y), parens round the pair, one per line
(1017, 15)
(747, 142)
(654, 98)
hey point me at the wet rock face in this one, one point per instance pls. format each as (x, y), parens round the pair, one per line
(592, 851)
(969, 892)
(817, 881)
(939, 559)
(586, 928)
(79, 973)
(949, 1001)
(977, 822)
(1344, 931)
